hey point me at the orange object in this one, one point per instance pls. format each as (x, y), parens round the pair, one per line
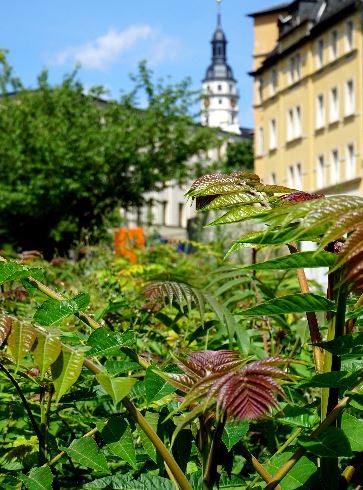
(127, 240)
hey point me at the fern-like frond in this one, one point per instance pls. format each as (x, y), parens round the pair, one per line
(181, 293)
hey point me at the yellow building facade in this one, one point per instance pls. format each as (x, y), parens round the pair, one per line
(308, 76)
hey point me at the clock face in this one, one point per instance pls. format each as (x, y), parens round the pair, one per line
(233, 102)
(206, 102)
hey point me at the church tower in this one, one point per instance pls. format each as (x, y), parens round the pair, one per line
(220, 95)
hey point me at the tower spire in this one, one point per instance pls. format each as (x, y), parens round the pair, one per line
(219, 23)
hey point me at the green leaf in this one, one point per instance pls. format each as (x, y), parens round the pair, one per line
(10, 271)
(233, 432)
(46, 351)
(152, 418)
(38, 479)
(156, 387)
(104, 342)
(20, 341)
(66, 370)
(353, 430)
(298, 477)
(118, 437)
(127, 482)
(231, 199)
(347, 344)
(332, 443)
(86, 452)
(117, 388)
(355, 399)
(296, 261)
(297, 416)
(53, 311)
(239, 214)
(82, 300)
(292, 303)
(334, 379)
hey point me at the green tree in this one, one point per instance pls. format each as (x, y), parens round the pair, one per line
(239, 155)
(68, 159)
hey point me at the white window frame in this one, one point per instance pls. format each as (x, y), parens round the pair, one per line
(334, 167)
(334, 105)
(297, 123)
(349, 36)
(334, 45)
(319, 60)
(350, 162)
(320, 112)
(273, 134)
(320, 172)
(290, 125)
(349, 97)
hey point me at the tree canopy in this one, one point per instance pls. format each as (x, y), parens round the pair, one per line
(69, 158)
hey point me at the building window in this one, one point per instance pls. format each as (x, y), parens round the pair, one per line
(164, 209)
(350, 162)
(294, 72)
(298, 176)
(319, 53)
(349, 98)
(219, 101)
(260, 142)
(273, 134)
(259, 93)
(273, 82)
(293, 123)
(333, 45)
(290, 176)
(273, 178)
(320, 172)
(349, 30)
(219, 87)
(334, 105)
(334, 167)
(320, 112)
(294, 176)
(181, 215)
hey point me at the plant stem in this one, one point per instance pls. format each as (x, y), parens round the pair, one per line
(282, 472)
(256, 464)
(29, 412)
(210, 473)
(315, 335)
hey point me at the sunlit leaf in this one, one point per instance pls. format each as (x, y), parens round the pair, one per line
(66, 370)
(53, 311)
(10, 271)
(46, 351)
(105, 342)
(298, 477)
(292, 303)
(152, 418)
(296, 261)
(347, 344)
(6, 322)
(85, 451)
(128, 482)
(353, 430)
(20, 341)
(117, 388)
(233, 432)
(156, 387)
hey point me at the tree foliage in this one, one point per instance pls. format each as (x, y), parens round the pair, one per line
(68, 159)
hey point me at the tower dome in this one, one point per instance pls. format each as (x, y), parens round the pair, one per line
(220, 96)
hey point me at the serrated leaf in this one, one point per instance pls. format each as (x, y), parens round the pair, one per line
(38, 479)
(156, 387)
(118, 438)
(117, 388)
(53, 311)
(86, 452)
(298, 477)
(292, 303)
(298, 260)
(332, 443)
(239, 214)
(152, 418)
(105, 343)
(353, 430)
(46, 351)
(127, 482)
(82, 300)
(10, 271)
(297, 416)
(66, 370)
(6, 322)
(231, 199)
(334, 379)
(20, 341)
(233, 432)
(347, 344)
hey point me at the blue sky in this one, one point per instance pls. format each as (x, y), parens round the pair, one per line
(108, 38)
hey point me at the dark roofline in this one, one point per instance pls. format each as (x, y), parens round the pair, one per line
(316, 30)
(271, 10)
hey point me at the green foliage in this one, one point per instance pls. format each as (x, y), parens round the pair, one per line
(69, 159)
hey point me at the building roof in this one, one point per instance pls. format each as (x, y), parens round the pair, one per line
(319, 14)
(271, 10)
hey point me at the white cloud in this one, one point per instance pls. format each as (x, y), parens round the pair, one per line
(106, 49)
(164, 49)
